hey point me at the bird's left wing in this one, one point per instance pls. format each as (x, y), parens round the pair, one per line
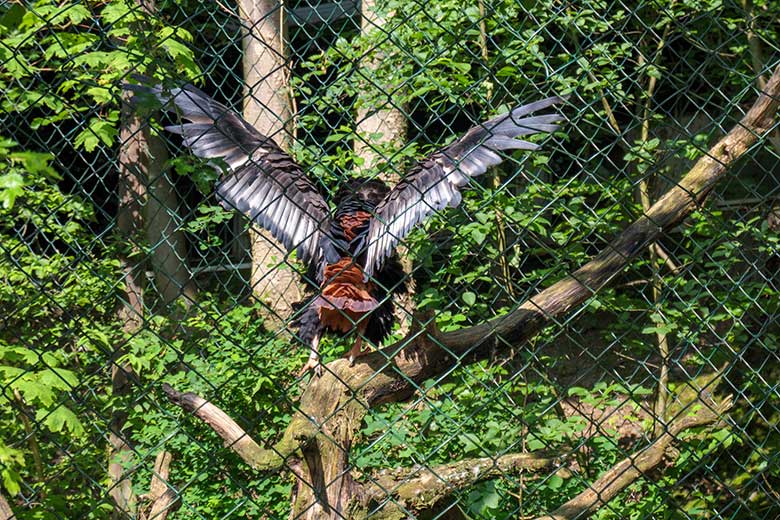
(263, 182)
(435, 182)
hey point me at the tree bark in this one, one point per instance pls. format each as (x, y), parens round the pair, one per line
(168, 247)
(6, 513)
(131, 191)
(268, 106)
(162, 499)
(380, 123)
(421, 488)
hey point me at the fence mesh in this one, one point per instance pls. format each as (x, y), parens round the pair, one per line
(150, 353)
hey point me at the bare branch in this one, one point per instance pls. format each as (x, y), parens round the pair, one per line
(299, 431)
(413, 364)
(627, 471)
(420, 488)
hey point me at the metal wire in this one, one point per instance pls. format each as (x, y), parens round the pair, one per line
(121, 273)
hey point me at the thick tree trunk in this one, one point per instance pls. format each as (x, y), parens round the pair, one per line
(268, 106)
(380, 123)
(168, 248)
(131, 192)
(146, 211)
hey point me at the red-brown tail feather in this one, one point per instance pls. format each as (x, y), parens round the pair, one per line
(345, 297)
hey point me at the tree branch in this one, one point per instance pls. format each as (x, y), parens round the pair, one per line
(414, 364)
(627, 471)
(420, 488)
(338, 401)
(299, 432)
(332, 407)
(162, 498)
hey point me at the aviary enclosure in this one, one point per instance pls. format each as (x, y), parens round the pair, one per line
(592, 331)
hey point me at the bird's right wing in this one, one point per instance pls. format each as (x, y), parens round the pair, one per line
(435, 182)
(263, 182)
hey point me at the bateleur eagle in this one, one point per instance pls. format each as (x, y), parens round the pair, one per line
(349, 251)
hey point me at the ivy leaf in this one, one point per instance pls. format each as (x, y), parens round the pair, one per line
(469, 297)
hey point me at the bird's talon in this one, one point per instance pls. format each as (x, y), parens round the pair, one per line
(312, 364)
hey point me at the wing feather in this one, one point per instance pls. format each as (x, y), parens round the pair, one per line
(435, 182)
(262, 181)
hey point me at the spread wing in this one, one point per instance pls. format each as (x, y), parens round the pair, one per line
(435, 182)
(262, 181)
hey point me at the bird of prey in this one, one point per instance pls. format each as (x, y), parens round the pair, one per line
(350, 251)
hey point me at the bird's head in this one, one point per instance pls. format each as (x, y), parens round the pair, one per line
(363, 189)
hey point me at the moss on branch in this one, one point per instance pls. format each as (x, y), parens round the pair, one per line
(421, 488)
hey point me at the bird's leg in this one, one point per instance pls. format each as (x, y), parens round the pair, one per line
(314, 358)
(358, 349)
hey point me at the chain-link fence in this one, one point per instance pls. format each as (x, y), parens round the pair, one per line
(591, 331)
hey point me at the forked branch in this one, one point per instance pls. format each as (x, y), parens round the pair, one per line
(162, 498)
(639, 463)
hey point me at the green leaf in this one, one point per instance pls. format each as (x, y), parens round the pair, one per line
(60, 419)
(12, 481)
(75, 13)
(33, 391)
(13, 16)
(17, 353)
(470, 442)
(554, 482)
(11, 188)
(469, 297)
(97, 131)
(36, 163)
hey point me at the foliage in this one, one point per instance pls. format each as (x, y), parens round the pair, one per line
(446, 66)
